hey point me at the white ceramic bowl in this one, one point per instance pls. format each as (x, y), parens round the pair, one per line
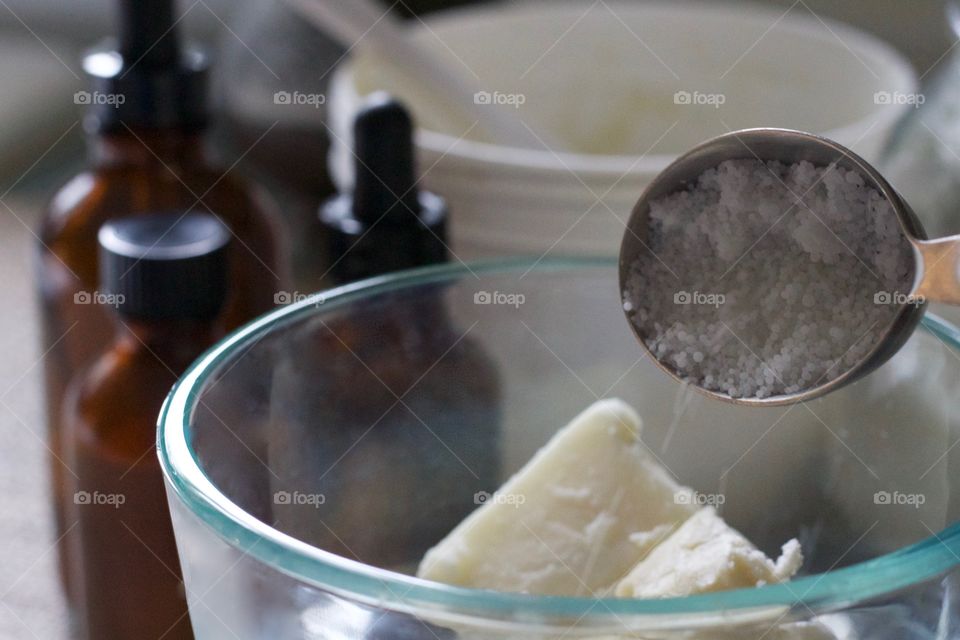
(604, 79)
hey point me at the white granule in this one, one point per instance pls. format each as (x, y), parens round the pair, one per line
(766, 279)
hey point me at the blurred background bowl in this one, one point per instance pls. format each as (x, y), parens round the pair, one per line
(625, 88)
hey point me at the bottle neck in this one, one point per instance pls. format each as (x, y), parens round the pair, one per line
(132, 147)
(426, 312)
(175, 343)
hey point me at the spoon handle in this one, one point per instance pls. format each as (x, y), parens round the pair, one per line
(361, 22)
(940, 264)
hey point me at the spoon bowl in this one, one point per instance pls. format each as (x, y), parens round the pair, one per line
(938, 281)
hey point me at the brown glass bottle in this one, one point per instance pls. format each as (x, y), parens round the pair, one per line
(166, 276)
(359, 382)
(146, 124)
(393, 396)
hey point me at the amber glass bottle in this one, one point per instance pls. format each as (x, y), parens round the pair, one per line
(351, 368)
(146, 121)
(166, 277)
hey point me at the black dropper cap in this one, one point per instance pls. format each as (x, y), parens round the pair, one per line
(146, 79)
(387, 223)
(165, 266)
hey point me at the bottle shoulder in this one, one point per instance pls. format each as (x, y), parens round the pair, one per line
(115, 403)
(69, 201)
(95, 195)
(364, 352)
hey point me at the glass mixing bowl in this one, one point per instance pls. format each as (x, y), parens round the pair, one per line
(313, 456)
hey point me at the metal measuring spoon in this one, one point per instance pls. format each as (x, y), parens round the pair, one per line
(936, 262)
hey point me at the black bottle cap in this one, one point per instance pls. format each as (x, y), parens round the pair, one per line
(165, 266)
(387, 223)
(145, 79)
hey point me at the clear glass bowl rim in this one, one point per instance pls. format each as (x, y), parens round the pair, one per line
(352, 579)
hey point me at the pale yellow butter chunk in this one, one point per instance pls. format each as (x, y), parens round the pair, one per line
(563, 524)
(703, 555)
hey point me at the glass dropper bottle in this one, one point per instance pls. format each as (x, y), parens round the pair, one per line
(147, 115)
(166, 278)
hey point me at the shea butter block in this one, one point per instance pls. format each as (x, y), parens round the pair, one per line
(569, 521)
(704, 555)
(594, 513)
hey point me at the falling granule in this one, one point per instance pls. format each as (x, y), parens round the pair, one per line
(766, 279)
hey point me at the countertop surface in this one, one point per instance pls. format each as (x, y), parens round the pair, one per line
(32, 606)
